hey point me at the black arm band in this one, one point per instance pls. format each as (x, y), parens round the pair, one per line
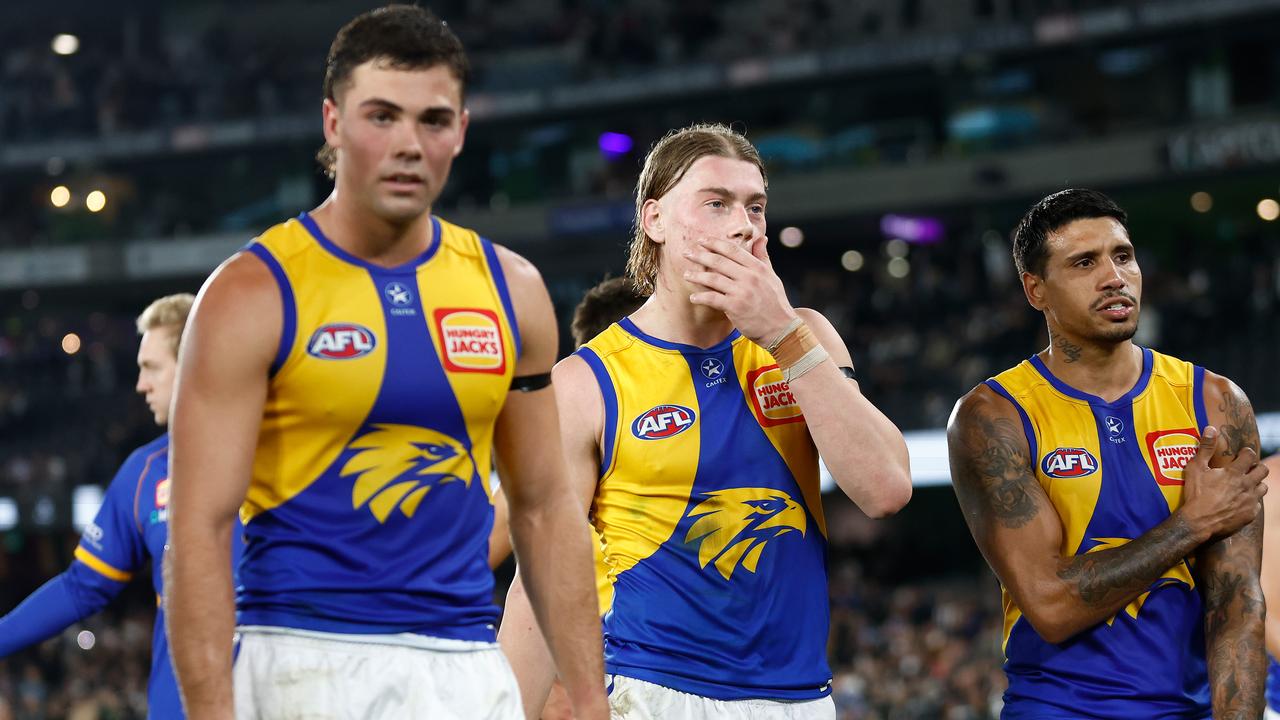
(848, 372)
(529, 383)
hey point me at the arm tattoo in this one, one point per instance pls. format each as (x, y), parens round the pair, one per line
(1003, 470)
(1070, 351)
(1234, 611)
(1239, 428)
(1118, 575)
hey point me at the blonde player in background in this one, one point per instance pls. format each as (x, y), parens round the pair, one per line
(692, 430)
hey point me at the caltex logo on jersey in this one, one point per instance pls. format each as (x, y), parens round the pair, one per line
(398, 294)
(341, 341)
(663, 421)
(162, 494)
(1069, 463)
(711, 368)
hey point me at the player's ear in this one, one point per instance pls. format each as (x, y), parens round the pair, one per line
(329, 115)
(651, 219)
(1033, 286)
(463, 121)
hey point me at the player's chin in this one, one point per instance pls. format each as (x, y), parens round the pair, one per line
(1119, 332)
(402, 208)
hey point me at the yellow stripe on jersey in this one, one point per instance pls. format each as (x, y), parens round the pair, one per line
(101, 567)
(645, 490)
(296, 445)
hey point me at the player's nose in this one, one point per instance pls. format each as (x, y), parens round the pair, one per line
(743, 230)
(408, 145)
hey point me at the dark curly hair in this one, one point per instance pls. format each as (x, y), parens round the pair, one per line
(406, 37)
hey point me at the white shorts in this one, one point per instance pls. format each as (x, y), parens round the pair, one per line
(288, 676)
(631, 699)
(1270, 714)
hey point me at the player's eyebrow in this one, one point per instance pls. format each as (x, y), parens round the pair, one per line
(383, 103)
(727, 193)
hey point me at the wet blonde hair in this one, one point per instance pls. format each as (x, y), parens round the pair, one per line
(170, 311)
(664, 166)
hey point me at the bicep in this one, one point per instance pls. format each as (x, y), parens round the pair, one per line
(1229, 410)
(1228, 566)
(221, 388)
(581, 422)
(1010, 515)
(535, 314)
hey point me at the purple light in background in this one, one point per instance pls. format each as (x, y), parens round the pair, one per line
(921, 230)
(614, 145)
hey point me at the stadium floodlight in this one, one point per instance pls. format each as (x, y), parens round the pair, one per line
(65, 44)
(1268, 209)
(85, 501)
(852, 260)
(8, 513)
(60, 196)
(791, 236)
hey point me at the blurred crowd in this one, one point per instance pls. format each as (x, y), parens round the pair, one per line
(902, 650)
(161, 65)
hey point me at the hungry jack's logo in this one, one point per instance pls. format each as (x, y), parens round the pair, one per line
(471, 339)
(771, 397)
(1170, 450)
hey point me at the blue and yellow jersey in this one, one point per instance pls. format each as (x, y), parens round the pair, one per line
(131, 526)
(1113, 471)
(710, 514)
(369, 507)
(1273, 684)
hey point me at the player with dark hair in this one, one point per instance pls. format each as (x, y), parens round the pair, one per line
(347, 383)
(1127, 552)
(607, 302)
(692, 430)
(130, 527)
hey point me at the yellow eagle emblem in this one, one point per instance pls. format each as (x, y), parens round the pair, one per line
(399, 464)
(734, 525)
(1180, 573)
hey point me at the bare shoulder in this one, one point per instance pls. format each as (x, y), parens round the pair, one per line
(979, 409)
(575, 382)
(992, 471)
(1229, 409)
(240, 297)
(522, 276)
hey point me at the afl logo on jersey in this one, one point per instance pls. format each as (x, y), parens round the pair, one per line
(1069, 463)
(663, 421)
(341, 341)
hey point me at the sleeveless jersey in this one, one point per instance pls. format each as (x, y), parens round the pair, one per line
(709, 511)
(1113, 471)
(369, 507)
